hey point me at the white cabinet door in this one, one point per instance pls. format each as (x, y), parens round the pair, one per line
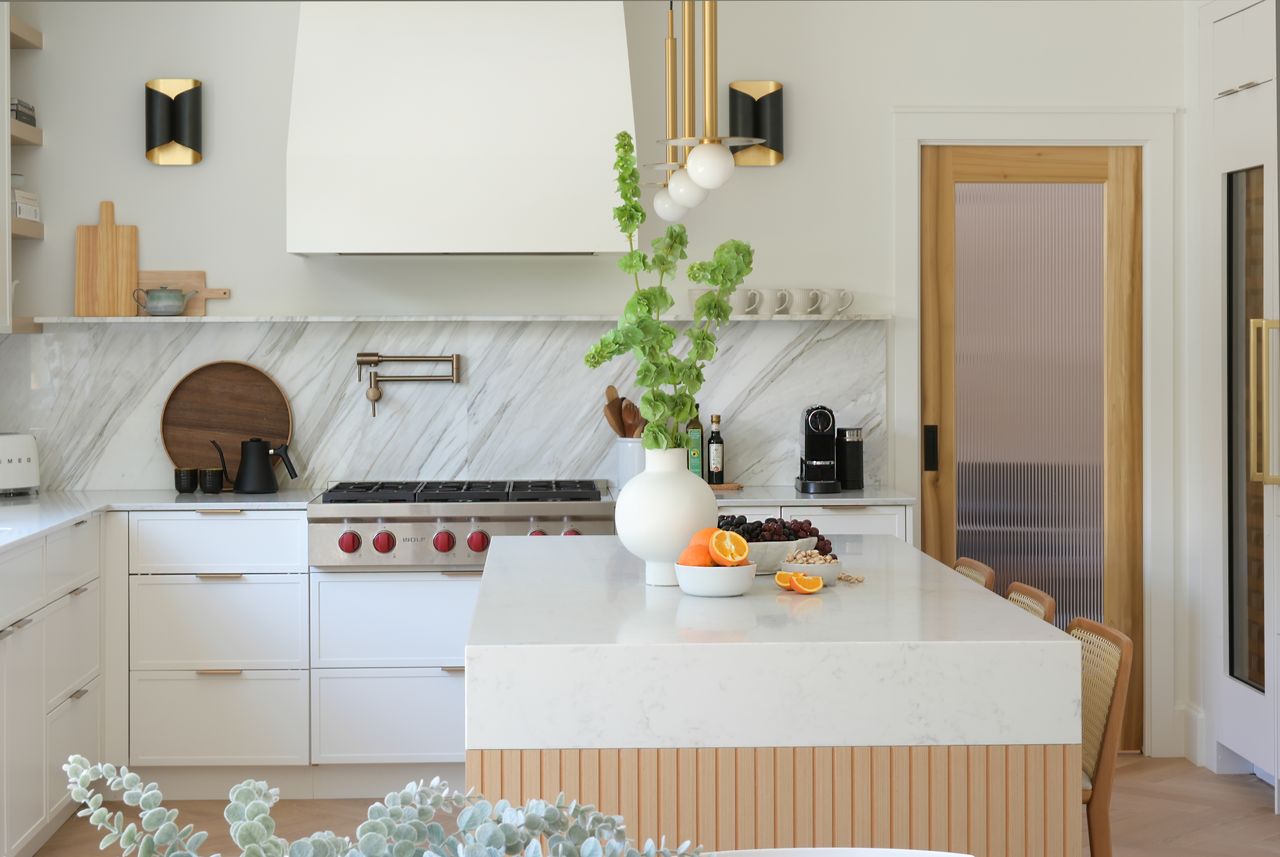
(256, 717)
(217, 541)
(72, 653)
(21, 582)
(188, 622)
(71, 556)
(73, 728)
(387, 715)
(852, 520)
(1244, 48)
(24, 722)
(391, 619)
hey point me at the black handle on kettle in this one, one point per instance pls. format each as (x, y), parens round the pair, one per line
(283, 451)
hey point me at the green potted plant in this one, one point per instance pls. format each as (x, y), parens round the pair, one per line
(659, 510)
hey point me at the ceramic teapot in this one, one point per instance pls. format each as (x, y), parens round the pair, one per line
(162, 301)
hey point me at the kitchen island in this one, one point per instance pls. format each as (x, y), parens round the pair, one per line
(915, 709)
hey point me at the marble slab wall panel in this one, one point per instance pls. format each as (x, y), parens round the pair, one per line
(527, 407)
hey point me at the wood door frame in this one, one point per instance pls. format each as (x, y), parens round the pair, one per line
(1118, 169)
(1174, 722)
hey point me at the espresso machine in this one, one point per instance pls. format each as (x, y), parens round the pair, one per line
(818, 452)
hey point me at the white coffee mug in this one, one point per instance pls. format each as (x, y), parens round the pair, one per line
(745, 301)
(842, 301)
(774, 302)
(809, 301)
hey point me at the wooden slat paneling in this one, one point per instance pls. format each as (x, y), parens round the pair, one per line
(1014, 801)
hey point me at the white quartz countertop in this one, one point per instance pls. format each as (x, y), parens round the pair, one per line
(566, 631)
(23, 518)
(787, 495)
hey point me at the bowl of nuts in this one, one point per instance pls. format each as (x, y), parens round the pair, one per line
(813, 562)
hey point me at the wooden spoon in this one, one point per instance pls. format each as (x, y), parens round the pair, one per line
(630, 417)
(640, 427)
(613, 417)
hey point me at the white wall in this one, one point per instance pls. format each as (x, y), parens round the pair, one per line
(822, 218)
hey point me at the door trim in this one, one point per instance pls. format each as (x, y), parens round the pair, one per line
(1164, 573)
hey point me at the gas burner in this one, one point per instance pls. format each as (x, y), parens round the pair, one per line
(555, 489)
(461, 492)
(371, 492)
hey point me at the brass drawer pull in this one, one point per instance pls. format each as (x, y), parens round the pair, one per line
(1250, 85)
(219, 672)
(474, 573)
(79, 590)
(454, 669)
(80, 523)
(21, 623)
(1232, 91)
(219, 511)
(79, 694)
(220, 575)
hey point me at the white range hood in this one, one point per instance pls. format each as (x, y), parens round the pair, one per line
(456, 127)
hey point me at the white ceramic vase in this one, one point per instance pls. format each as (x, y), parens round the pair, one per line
(659, 511)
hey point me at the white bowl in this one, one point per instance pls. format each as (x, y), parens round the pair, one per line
(715, 581)
(828, 571)
(768, 556)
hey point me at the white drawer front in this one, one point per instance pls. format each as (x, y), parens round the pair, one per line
(189, 542)
(71, 556)
(187, 621)
(73, 727)
(852, 520)
(751, 513)
(72, 643)
(387, 619)
(21, 582)
(381, 715)
(253, 718)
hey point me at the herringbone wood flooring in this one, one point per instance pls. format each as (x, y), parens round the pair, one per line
(1162, 808)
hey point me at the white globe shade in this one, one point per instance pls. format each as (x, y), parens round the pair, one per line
(684, 191)
(709, 165)
(667, 208)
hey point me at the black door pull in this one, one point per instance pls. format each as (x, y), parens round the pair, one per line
(930, 449)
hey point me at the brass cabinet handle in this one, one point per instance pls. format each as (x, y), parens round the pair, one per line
(1232, 91)
(21, 623)
(219, 672)
(453, 669)
(473, 573)
(219, 511)
(1259, 401)
(79, 694)
(79, 590)
(1250, 85)
(220, 575)
(80, 523)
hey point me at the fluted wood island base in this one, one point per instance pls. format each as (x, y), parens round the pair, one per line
(937, 715)
(998, 801)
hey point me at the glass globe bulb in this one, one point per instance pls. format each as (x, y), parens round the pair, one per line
(667, 208)
(684, 191)
(709, 165)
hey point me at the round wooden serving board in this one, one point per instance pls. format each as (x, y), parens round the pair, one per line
(228, 402)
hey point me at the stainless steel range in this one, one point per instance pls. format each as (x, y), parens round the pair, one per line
(425, 525)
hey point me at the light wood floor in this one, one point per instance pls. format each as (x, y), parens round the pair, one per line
(1162, 808)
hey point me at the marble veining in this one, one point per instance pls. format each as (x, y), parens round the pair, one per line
(527, 406)
(916, 655)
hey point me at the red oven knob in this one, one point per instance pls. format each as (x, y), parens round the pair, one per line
(537, 532)
(384, 542)
(349, 542)
(444, 541)
(571, 532)
(478, 541)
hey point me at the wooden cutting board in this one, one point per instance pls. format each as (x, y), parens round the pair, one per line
(192, 282)
(106, 266)
(228, 402)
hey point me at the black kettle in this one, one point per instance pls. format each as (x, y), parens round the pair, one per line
(255, 475)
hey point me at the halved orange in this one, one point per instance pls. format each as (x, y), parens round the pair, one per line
(805, 583)
(703, 536)
(728, 548)
(783, 579)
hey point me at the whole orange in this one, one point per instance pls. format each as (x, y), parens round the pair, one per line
(695, 555)
(703, 536)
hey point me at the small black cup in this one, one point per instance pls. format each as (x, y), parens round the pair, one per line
(211, 480)
(184, 479)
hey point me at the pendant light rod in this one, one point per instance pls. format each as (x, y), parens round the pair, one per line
(670, 45)
(710, 101)
(689, 82)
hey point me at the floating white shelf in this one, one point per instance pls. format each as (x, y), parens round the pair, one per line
(348, 319)
(24, 36)
(22, 134)
(23, 228)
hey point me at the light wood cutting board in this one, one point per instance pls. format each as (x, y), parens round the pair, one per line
(106, 266)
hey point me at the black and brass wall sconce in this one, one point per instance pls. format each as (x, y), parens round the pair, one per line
(174, 124)
(755, 110)
(373, 358)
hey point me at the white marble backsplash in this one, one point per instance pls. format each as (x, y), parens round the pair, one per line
(527, 406)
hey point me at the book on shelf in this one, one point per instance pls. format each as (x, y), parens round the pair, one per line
(25, 196)
(22, 111)
(26, 205)
(26, 212)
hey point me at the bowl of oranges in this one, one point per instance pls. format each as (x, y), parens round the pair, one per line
(716, 564)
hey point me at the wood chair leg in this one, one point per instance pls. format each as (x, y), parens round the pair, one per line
(1099, 815)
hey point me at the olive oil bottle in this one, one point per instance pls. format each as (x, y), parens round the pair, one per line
(694, 430)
